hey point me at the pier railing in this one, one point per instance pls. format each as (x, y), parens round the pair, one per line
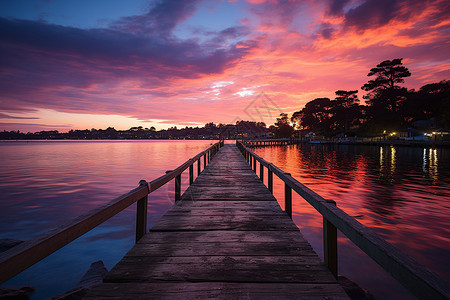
(419, 280)
(26, 254)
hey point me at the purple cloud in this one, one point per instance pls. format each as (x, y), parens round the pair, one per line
(64, 63)
(6, 116)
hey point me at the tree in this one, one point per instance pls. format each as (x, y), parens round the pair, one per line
(282, 128)
(385, 95)
(346, 111)
(315, 116)
(430, 102)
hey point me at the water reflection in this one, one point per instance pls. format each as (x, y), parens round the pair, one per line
(402, 193)
(430, 164)
(387, 163)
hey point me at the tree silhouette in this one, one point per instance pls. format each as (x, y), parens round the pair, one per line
(346, 111)
(430, 102)
(315, 116)
(385, 95)
(282, 128)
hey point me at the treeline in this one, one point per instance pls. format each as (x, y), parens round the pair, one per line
(389, 106)
(241, 129)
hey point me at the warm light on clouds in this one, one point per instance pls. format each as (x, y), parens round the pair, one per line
(167, 64)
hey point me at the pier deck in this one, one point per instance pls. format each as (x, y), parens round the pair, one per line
(227, 238)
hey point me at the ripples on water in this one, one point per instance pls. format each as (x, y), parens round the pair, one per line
(46, 183)
(401, 193)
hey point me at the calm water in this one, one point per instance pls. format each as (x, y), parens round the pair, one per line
(402, 193)
(46, 183)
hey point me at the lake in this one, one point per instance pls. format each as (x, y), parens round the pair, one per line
(402, 193)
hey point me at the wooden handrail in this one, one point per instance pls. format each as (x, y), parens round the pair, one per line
(419, 280)
(26, 254)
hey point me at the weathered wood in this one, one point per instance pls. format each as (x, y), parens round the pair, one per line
(233, 222)
(270, 180)
(141, 214)
(261, 172)
(225, 236)
(216, 290)
(178, 187)
(198, 167)
(288, 199)
(330, 245)
(191, 174)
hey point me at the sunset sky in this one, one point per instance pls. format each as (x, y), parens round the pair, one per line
(71, 64)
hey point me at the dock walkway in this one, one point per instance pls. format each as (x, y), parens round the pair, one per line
(227, 238)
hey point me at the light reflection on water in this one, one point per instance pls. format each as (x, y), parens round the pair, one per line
(46, 183)
(401, 193)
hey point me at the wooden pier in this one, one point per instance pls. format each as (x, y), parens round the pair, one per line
(226, 238)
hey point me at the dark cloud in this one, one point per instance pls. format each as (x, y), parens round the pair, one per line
(371, 13)
(336, 7)
(326, 30)
(160, 20)
(376, 13)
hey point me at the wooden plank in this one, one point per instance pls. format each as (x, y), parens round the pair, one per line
(197, 211)
(228, 204)
(228, 270)
(221, 249)
(216, 290)
(224, 236)
(232, 222)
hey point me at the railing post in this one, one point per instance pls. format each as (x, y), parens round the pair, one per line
(330, 244)
(198, 167)
(270, 179)
(178, 187)
(261, 172)
(254, 164)
(204, 161)
(191, 174)
(141, 214)
(288, 198)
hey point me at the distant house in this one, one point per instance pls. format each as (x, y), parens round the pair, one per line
(424, 124)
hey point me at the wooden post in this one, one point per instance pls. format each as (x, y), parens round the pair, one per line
(204, 161)
(330, 244)
(270, 179)
(178, 187)
(191, 174)
(254, 164)
(288, 198)
(261, 172)
(198, 167)
(141, 214)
